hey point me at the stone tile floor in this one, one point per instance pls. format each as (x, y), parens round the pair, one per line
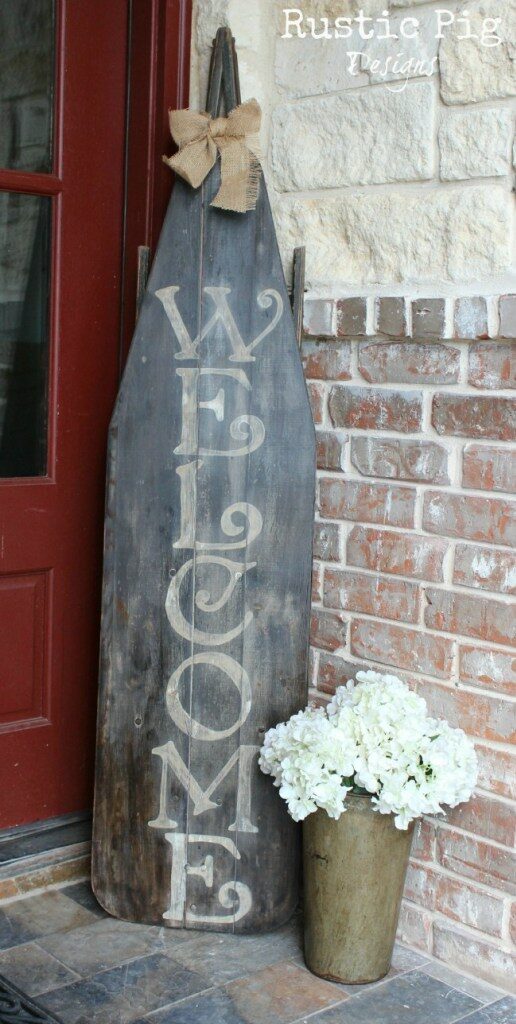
(61, 949)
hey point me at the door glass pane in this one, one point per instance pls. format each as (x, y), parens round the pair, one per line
(26, 84)
(24, 340)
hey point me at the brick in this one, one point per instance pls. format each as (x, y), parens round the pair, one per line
(423, 844)
(492, 365)
(428, 318)
(327, 630)
(398, 459)
(486, 568)
(334, 672)
(485, 816)
(318, 317)
(373, 409)
(386, 551)
(475, 416)
(327, 542)
(402, 648)
(316, 395)
(415, 927)
(312, 667)
(365, 502)
(481, 617)
(482, 716)
(489, 469)
(469, 857)
(423, 847)
(470, 517)
(317, 699)
(327, 360)
(391, 316)
(330, 447)
(454, 898)
(372, 595)
(421, 885)
(409, 363)
(482, 959)
(469, 905)
(351, 317)
(497, 770)
(470, 318)
(507, 309)
(316, 583)
(488, 669)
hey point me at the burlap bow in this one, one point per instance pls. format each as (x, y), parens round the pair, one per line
(200, 137)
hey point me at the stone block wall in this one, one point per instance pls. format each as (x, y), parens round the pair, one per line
(415, 572)
(391, 180)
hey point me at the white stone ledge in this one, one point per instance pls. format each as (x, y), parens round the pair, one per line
(404, 237)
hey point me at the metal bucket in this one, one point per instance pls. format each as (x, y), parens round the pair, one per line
(354, 872)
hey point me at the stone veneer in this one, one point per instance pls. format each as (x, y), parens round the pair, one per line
(415, 571)
(387, 182)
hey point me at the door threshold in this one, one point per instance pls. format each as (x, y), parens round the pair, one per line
(44, 855)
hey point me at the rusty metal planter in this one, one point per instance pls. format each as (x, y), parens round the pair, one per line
(354, 871)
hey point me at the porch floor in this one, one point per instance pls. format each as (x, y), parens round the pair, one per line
(61, 949)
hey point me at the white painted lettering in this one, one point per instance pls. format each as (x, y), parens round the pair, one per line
(187, 629)
(241, 523)
(190, 404)
(172, 761)
(183, 719)
(188, 477)
(178, 913)
(241, 353)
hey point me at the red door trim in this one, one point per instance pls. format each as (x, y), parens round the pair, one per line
(31, 184)
(52, 526)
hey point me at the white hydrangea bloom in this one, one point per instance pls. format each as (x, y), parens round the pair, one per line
(306, 763)
(374, 736)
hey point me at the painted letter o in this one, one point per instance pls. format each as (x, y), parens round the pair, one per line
(191, 726)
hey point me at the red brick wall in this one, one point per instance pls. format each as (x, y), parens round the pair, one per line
(413, 573)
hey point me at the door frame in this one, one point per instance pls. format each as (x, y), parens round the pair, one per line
(157, 55)
(158, 79)
(49, 537)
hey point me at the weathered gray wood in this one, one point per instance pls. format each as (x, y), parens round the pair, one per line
(130, 861)
(298, 291)
(242, 861)
(224, 81)
(142, 275)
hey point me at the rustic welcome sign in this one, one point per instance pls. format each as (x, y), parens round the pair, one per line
(206, 581)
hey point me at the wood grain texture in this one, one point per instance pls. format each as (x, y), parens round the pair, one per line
(246, 607)
(298, 292)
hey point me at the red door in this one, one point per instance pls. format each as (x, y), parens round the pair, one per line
(63, 157)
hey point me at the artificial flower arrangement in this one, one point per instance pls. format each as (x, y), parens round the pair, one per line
(374, 737)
